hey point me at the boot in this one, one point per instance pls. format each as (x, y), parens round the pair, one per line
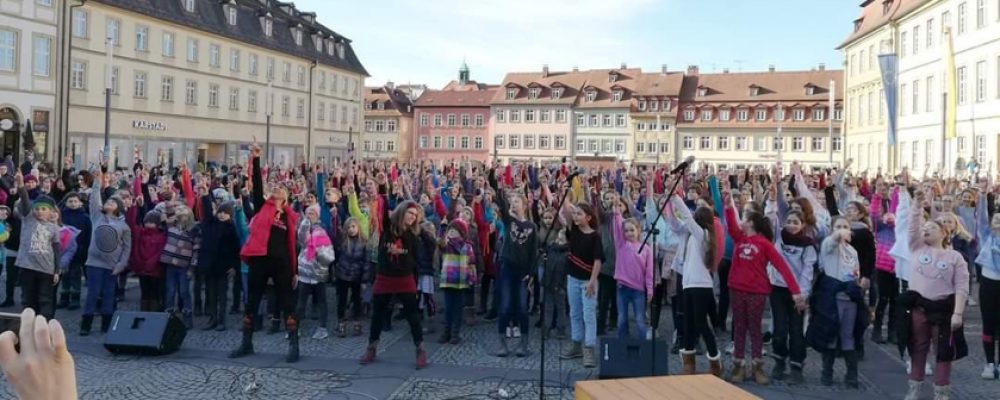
(942, 392)
(455, 338)
(503, 351)
(522, 347)
(85, 324)
(246, 346)
(715, 366)
(293, 346)
(739, 371)
(795, 376)
(758, 372)
(913, 390)
(445, 335)
(687, 362)
(221, 327)
(421, 357)
(63, 301)
(370, 353)
(778, 372)
(589, 357)
(826, 377)
(74, 302)
(851, 378)
(571, 351)
(877, 334)
(105, 322)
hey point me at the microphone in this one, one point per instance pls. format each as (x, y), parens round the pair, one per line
(683, 165)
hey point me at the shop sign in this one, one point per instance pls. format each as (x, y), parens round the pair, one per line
(149, 125)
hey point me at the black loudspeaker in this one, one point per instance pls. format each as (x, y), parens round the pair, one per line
(631, 358)
(145, 333)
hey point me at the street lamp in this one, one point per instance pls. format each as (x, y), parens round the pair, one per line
(270, 109)
(109, 45)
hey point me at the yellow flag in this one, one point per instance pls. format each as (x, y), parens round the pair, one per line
(951, 86)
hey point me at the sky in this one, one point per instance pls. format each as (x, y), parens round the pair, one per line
(425, 41)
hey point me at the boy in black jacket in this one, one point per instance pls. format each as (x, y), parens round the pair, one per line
(217, 254)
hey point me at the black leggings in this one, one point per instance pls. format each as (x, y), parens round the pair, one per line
(607, 302)
(698, 303)
(150, 293)
(12, 276)
(888, 289)
(278, 270)
(342, 299)
(989, 306)
(382, 309)
(723, 310)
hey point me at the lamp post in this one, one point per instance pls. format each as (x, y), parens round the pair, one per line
(269, 111)
(109, 45)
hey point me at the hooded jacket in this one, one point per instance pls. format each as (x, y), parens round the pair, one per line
(145, 258)
(111, 240)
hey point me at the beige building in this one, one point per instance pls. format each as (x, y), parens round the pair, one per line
(28, 72)
(388, 130)
(198, 80)
(654, 116)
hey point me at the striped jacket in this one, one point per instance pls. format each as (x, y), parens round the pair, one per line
(179, 248)
(458, 266)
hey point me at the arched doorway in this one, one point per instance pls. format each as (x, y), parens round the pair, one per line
(10, 132)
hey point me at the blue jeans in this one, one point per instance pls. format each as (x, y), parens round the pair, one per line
(454, 300)
(100, 285)
(513, 301)
(178, 288)
(636, 299)
(582, 312)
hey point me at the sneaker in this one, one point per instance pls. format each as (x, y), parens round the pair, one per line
(928, 369)
(510, 332)
(768, 336)
(516, 332)
(988, 371)
(907, 366)
(969, 301)
(731, 347)
(321, 333)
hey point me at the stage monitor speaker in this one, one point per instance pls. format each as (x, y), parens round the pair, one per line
(144, 333)
(631, 358)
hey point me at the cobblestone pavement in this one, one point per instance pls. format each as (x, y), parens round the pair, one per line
(329, 369)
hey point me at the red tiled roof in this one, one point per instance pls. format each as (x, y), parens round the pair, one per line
(874, 16)
(472, 94)
(773, 87)
(571, 82)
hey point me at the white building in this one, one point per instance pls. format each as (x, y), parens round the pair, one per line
(28, 71)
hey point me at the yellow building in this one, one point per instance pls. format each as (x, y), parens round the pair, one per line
(198, 80)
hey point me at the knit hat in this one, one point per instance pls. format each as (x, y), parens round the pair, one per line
(152, 217)
(459, 225)
(220, 194)
(43, 201)
(30, 178)
(227, 207)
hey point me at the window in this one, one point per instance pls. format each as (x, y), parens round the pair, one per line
(664, 147)
(560, 115)
(706, 115)
(511, 93)
(871, 57)
(231, 14)
(451, 119)
(620, 146)
(903, 44)
(189, 5)
(213, 95)
(167, 88)
(79, 23)
(741, 143)
(929, 96)
(591, 95)
(234, 99)
(818, 114)
(595, 120)
(78, 73)
(798, 143)
(704, 143)
(529, 115)
(903, 93)
(498, 142)
(981, 81)
(961, 144)
(606, 145)
(168, 44)
(620, 120)
(367, 146)
(268, 25)
(378, 146)
(543, 142)
(302, 75)
(723, 142)
(689, 115)
(760, 143)
(368, 126)
(581, 146)
(980, 14)
(213, 55)
(424, 119)
(423, 142)
(557, 92)
(286, 72)
(515, 115)
(499, 115)
(962, 11)
(640, 126)
(270, 69)
(192, 50)
(438, 120)
(594, 146)
(853, 65)
(234, 60)
(515, 141)
(112, 31)
(817, 144)
(799, 114)
(779, 114)
(478, 143)
(616, 96)
(533, 93)
(838, 114)
(742, 114)
(379, 125)
(607, 120)
(688, 143)
(838, 143)
(300, 108)
(653, 104)
(581, 120)
(544, 116)
(724, 114)
(191, 93)
(640, 147)
(252, 104)
(916, 39)
(642, 105)
(761, 114)
(963, 75)
(42, 56)
(929, 30)
(881, 104)
(252, 64)
(529, 141)
(114, 80)
(560, 142)
(141, 38)
(285, 100)
(140, 85)
(778, 144)
(861, 67)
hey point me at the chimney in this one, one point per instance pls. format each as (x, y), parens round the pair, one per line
(663, 69)
(575, 69)
(725, 70)
(624, 66)
(822, 66)
(770, 68)
(390, 85)
(545, 70)
(692, 70)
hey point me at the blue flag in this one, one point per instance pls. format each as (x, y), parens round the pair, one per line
(890, 70)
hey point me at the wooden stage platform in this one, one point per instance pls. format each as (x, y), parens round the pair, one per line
(686, 387)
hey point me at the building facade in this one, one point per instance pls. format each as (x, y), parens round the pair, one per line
(29, 62)
(601, 114)
(654, 116)
(198, 80)
(388, 129)
(452, 123)
(974, 27)
(738, 120)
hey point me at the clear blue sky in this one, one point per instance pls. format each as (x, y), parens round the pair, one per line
(425, 41)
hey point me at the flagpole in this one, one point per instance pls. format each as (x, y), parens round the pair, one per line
(944, 130)
(781, 148)
(829, 118)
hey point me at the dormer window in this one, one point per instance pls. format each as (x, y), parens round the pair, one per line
(591, 95)
(381, 106)
(613, 77)
(329, 47)
(318, 42)
(754, 90)
(617, 96)
(886, 6)
(297, 34)
(533, 93)
(857, 24)
(340, 51)
(702, 92)
(188, 5)
(557, 92)
(642, 104)
(231, 12)
(653, 105)
(511, 93)
(810, 90)
(268, 24)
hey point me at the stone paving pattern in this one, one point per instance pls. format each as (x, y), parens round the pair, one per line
(329, 368)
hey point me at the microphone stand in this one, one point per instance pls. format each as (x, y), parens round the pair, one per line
(544, 253)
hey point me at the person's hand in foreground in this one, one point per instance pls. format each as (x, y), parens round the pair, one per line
(44, 368)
